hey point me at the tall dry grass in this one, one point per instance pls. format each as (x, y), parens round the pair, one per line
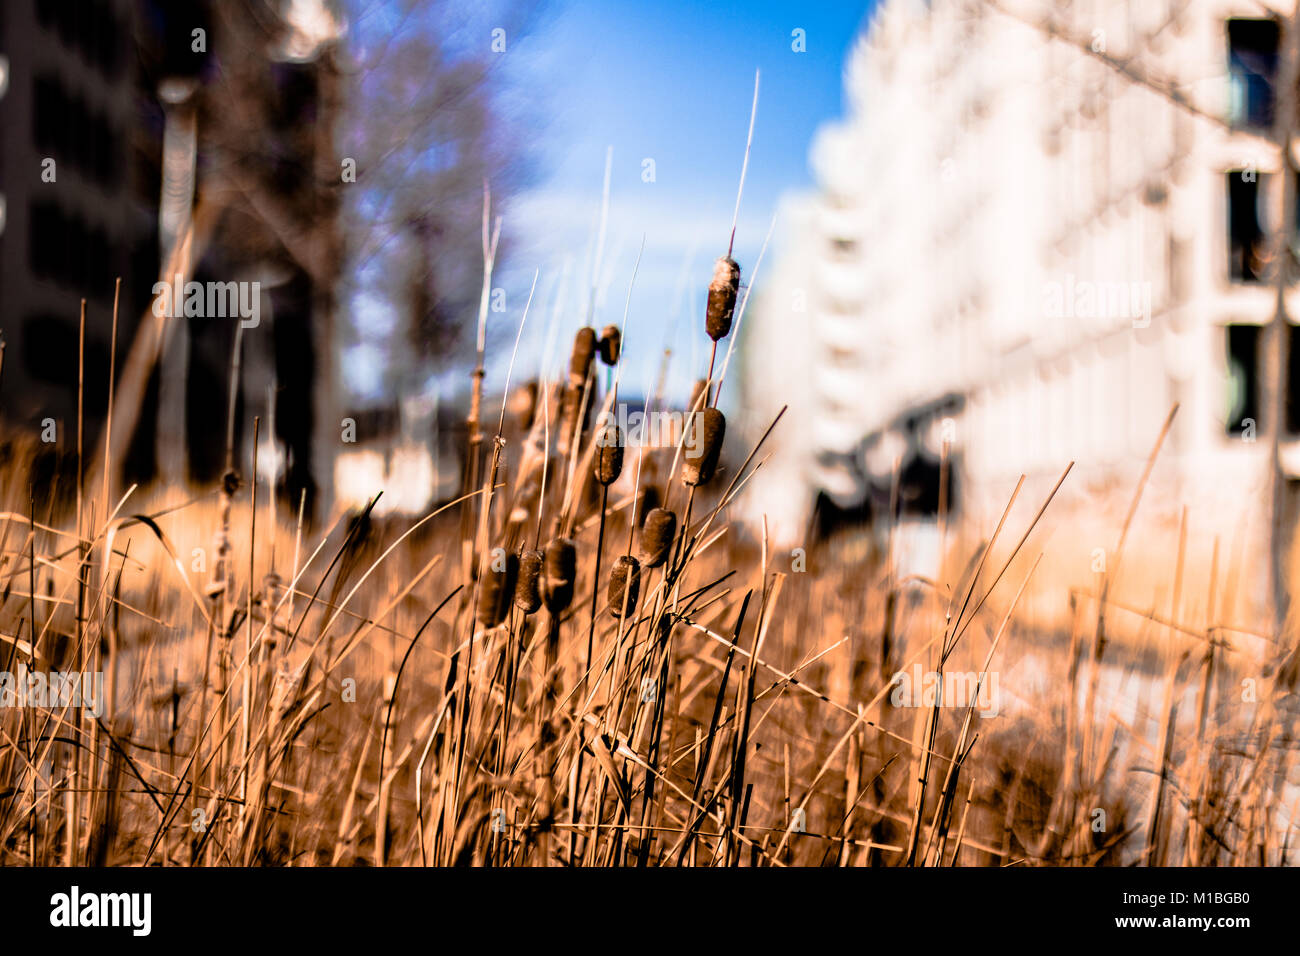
(583, 660)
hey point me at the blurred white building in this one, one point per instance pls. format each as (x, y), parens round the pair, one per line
(1018, 244)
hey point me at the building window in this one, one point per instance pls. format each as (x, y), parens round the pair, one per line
(46, 243)
(66, 127)
(1243, 378)
(47, 341)
(1252, 72)
(1293, 380)
(1247, 244)
(1295, 227)
(66, 250)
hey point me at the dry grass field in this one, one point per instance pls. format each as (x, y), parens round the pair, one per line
(585, 661)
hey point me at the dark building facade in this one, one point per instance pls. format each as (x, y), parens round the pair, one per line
(79, 209)
(157, 116)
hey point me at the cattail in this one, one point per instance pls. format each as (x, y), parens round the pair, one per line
(528, 595)
(570, 409)
(496, 589)
(584, 348)
(527, 405)
(559, 572)
(722, 297)
(701, 461)
(609, 453)
(624, 584)
(611, 342)
(657, 537)
(697, 390)
(275, 611)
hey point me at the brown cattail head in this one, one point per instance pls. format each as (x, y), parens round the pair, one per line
(584, 348)
(570, 409)
(526, 405)
(657, 536)
(611, 343)
(701, 459)
(609, 453)
(497, 588)
(624, 585)
(697, 390)
(559, 571)
(528, 589)
(722, 297)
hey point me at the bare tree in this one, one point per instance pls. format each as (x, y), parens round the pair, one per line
(423, 122)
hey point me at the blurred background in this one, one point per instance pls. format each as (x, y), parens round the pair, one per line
(338, 155)
(996, 237)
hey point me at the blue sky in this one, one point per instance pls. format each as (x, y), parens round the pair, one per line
(671, 82)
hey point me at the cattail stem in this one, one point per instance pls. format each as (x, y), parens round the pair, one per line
(708, 382)
(74, 811)
(250, 662)
(595, 583)
(586, 673)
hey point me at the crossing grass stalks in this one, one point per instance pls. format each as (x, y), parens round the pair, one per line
(343, 702)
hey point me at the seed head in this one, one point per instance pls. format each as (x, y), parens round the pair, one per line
(528, 595)
(609, 453)
(570, 409)
(722, 297)
(496, 589)
(584, 348)
(528, 405)
(657, 536)
(624, 585)
(700, 463)
(559, 571)
(611, 343)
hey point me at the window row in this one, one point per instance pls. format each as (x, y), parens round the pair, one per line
(68, 129)
(1246, 357)
(64, 249)
(91, 27)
